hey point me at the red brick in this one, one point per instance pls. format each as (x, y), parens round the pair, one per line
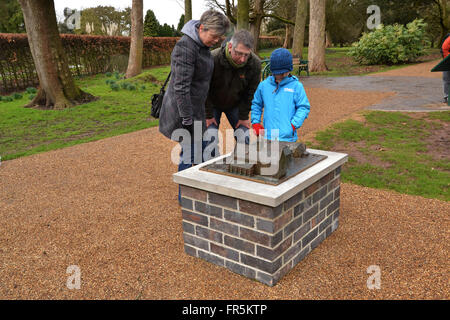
(193, 193)
(255, 236)
(311, 189)
(259, 209)
(193, 217)
(327, 178)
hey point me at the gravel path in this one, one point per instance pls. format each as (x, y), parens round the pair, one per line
(110, 208)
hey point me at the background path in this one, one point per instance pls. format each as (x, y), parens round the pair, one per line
(417, 89)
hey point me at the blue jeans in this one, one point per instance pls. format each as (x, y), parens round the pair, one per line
(233, 118)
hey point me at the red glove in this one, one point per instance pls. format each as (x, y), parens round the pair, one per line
(293, 128)
(257, 127)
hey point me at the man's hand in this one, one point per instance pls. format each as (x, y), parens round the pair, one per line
(245, 123)
(210, 122)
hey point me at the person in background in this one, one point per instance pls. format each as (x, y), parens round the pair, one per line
(446, 74)
(283, 99)
(184, 101)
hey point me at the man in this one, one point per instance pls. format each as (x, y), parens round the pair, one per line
(446, 74)
(237, 72)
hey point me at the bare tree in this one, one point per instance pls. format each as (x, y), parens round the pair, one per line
(57, 88)
(316, 50)
(243, 14)
(255, 26)
(299, 30)
(187, 10)
(137, 39)
(258, 10)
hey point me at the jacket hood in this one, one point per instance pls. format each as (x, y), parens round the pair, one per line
(191, 30)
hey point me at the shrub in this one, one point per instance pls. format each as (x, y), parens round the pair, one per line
(392, 44)
(107, 81)
(143, 87)
(88, 54)
(17, 96)
(108, 74)
(114, 86)
(1, 98)
(31, 90)
(131, 87)
(8, 99)
(124, 85)
(31, 96)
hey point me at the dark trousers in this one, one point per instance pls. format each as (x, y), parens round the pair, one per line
(446, 80)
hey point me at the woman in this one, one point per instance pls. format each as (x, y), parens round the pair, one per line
(184, 102)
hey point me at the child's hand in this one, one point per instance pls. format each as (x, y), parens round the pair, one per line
(257, 127)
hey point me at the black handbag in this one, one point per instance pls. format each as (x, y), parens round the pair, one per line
(157, 99)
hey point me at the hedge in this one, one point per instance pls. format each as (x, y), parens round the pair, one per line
(87, 55)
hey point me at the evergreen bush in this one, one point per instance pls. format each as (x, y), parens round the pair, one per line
(394, 44)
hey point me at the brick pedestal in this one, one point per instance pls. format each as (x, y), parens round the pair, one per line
(255, 240)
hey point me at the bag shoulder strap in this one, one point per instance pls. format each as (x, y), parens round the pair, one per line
(167, 80)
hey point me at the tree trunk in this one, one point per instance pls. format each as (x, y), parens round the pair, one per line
(316, 50)
(243, 14)
(287, 36)
(328, 41)
(137, 39)
(57, 88)
(299, 30)
(443, 20)
(187, 10)
(256, 23)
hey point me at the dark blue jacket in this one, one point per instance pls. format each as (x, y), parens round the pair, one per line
(192, 67)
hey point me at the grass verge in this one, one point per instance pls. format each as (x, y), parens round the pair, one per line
(123, 106)
(408, 153)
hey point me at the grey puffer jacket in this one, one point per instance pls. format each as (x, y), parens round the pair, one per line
(192, 67)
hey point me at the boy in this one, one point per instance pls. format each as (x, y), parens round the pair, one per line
(283, 99)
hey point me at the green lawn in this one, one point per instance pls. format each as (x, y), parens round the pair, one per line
(25, 131)
(391, 150)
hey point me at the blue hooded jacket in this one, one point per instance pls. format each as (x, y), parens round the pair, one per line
(284, 104)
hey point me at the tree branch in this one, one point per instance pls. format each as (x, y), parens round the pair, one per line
(229, 14)
(278, 18)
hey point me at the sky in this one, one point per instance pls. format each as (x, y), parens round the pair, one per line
(166, 11)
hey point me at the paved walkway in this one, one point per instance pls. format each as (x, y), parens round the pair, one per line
(413, 93)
